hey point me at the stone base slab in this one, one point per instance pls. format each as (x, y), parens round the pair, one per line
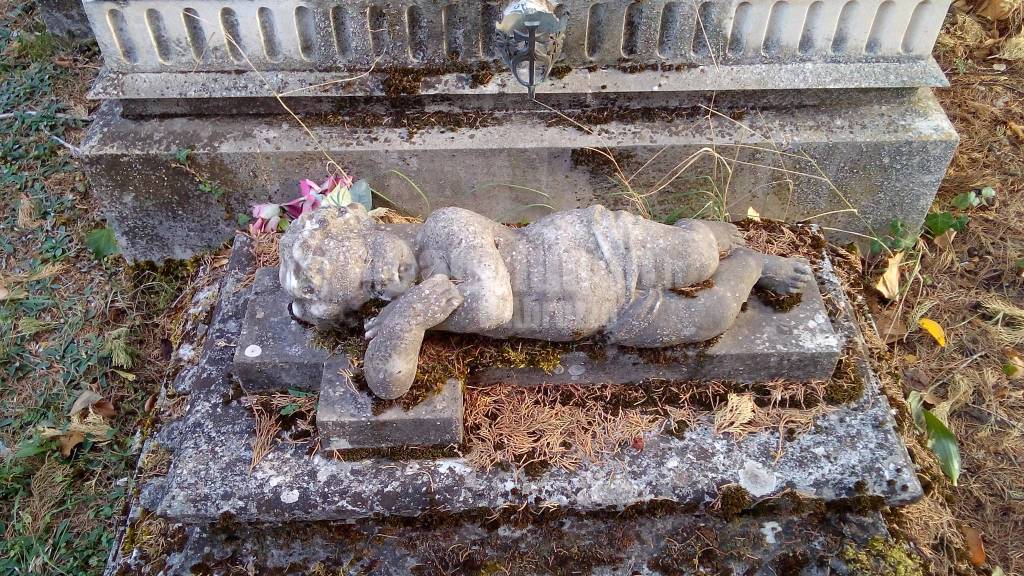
(852, 167)
(275, 351)
(852, 452)
(347, 419)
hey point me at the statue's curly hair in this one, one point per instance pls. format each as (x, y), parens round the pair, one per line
(319, 255)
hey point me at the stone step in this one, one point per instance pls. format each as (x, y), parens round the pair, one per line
(651, 541)
(851, 165)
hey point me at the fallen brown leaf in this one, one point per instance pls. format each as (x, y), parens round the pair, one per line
(86, 399)
(104, 408)
(975, 545)
(1014, 367)
(997, 9)
(1017, 129)
(68, 442)
(890, 327)
(889, 284)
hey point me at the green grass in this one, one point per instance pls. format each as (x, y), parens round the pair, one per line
(89, 325)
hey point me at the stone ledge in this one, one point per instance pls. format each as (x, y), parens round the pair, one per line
(797, 76)
(652, 542)
(346, 418)
(884, 160)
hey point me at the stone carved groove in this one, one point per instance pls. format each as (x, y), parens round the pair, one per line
(179, 35)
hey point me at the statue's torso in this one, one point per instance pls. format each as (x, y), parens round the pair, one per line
(573, 272)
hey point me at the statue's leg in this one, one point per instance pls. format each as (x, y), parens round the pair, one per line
(726, 234)
(784, 275)
(665, 318)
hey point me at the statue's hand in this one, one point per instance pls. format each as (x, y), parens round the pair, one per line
(424, 306)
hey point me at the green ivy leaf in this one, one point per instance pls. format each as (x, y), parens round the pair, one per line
(102, 243)
(297, 393)
(182, 155)
(938, 223)
(289, 409)
(916, 402)
(943, 443)
(964, 200)
(243, 220)
(988, 193)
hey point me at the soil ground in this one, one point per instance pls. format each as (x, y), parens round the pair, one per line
(72, 323)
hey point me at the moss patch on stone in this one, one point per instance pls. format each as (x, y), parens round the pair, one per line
(847, 383)
(880, 556)
(776, 301)
(733, 499)
(398, 454)
(401, 81)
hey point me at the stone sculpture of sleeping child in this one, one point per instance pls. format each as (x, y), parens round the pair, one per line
(566, 277)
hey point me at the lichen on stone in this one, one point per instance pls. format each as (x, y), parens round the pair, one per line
(880, 556)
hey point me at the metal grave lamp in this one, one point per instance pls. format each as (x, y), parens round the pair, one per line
(529, 40)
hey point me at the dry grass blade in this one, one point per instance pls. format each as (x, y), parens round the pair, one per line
(734, 417)
(267, 427)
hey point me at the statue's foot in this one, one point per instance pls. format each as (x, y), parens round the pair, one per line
(726, 234)
(784, 275)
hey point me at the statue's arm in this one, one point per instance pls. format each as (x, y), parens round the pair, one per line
(468, 242)
(396, 335)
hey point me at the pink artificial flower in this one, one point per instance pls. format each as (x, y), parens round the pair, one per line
(297, 207)
(265, 218)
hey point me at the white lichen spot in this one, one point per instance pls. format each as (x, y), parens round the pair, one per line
(756, 479)
(769, 530)
(186, 352)
(576, 370)
(290, 496)
(253, 351)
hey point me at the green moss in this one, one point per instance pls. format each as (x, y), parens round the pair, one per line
(399, 454)
(791, 563)
(879, 556)
(677, 429)
(36, 47)
(733, 499)
(779, 302)
(560, 71)
(847, 383)
(401, 81)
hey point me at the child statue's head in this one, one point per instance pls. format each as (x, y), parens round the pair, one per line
(335, 259)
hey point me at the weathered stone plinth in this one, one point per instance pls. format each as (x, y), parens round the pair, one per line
(65, 18)
(349, 417)
(883, 155)
(852, 452)
(277, 352)
(638, 510)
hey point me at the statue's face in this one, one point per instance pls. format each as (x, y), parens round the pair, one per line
(334, 261)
